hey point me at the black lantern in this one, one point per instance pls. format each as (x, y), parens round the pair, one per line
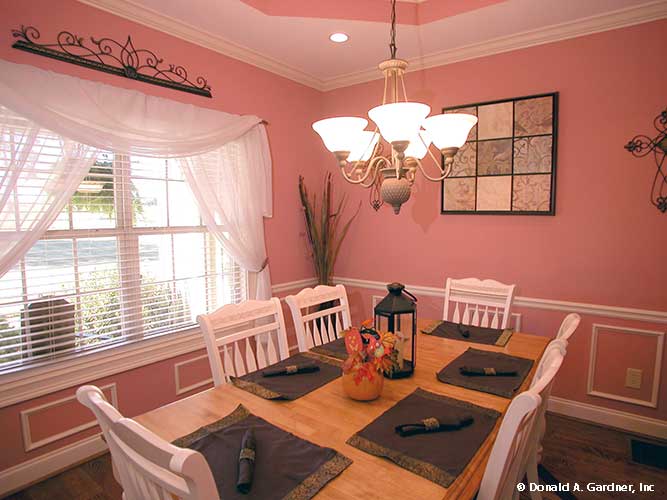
(397, 313)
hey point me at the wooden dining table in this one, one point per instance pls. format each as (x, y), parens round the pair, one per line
(328, 418)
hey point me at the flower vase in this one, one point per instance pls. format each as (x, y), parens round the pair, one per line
(364, 389)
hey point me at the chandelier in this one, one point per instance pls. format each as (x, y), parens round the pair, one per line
(404, 126)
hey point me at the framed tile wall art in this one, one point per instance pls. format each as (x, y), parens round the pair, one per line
(508, 164)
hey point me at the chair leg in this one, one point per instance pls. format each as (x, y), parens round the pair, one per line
(531, 474)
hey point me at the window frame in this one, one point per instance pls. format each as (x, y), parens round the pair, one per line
(134, 341)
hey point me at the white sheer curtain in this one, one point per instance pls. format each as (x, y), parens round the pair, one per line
(39, 173)
(232, 199)
(124, 121)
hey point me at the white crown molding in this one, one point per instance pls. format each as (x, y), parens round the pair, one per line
(621, 18)
(581, 27)
(153, 19)
(529, 302)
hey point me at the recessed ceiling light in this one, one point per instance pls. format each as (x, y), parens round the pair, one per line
(338, 37)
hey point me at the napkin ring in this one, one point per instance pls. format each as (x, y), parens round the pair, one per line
(247, 454)
(489, 371)
(431, 423)
(291, 369)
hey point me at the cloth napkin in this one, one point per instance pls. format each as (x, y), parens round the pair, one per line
(487, 371)
(246, 462)
(291, 370)
(432, 424)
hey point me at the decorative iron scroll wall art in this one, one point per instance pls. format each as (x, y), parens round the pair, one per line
(508, 164)
(110, 56)
(642, 145)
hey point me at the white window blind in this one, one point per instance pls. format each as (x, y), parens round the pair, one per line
(128, 258)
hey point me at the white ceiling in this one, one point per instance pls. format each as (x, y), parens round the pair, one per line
(299, 48)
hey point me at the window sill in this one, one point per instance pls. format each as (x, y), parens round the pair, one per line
(31, 382)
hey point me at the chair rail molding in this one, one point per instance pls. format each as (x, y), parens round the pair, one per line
(657, 369)
(606, 311)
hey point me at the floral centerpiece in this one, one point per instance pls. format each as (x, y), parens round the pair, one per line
(369, 355)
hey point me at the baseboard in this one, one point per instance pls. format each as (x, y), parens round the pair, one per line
(629, 422)
(49, 464)
(27, 473)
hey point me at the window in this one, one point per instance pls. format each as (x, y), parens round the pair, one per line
(128, 258)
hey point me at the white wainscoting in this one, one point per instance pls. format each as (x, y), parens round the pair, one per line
(660, 342)
(177, 375)
(29, 444)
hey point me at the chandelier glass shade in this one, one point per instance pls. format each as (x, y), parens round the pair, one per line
(407, 129)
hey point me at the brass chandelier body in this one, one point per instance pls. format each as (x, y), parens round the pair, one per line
(399, 122)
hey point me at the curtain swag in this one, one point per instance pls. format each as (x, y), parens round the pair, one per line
(224, 157)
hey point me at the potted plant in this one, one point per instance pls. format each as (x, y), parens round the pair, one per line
(369, 355)
(324, 227)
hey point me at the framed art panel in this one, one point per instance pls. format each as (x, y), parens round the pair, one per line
(508, 164)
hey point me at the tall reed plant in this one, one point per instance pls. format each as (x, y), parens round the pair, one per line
(325, 228)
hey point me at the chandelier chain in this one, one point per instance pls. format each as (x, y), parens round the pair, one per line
(392, 44)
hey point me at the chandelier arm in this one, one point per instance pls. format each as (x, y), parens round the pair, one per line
(405, 93)
(375, 167)
(348, 176)
(370, 168)
(423, 171)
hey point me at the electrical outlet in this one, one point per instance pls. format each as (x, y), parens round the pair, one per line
(633, 378)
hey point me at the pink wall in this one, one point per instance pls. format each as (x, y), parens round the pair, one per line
(237, 87)
(606, 244)
(603, 246)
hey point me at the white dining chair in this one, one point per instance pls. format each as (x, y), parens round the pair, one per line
(475, 302)
(315, 326)
(546, 371)
(504, 468)
(93, 398)
(568, 327)
(153, 469)
(251, 336)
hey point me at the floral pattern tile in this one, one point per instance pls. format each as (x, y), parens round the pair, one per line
(459, 194)
(508, 162)
(494, 193)
(533, 154)
(494, 157)
(533, 116)
(465, 161)
(495, 120)
(472, 110)
(531, 193)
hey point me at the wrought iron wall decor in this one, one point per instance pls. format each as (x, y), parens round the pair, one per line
(508, 164)
(110, 56)
(642, 145)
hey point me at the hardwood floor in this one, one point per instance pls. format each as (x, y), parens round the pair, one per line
(574, 451)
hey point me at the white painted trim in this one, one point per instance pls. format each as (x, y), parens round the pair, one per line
(293, 285)
(32, 382)
(182, 390)
(530, 302)
(653, 403)
(153, 19)
(37, 381)
(629, 422)
(49, 464)
(621, 18)
(26, 431)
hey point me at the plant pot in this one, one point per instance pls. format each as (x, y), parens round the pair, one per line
(366, 390)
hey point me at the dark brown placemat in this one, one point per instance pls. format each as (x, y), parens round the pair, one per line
(335, 349)
(439, 457)
(505, 386)
(290, 386)
(477, 334)
(286, 466)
